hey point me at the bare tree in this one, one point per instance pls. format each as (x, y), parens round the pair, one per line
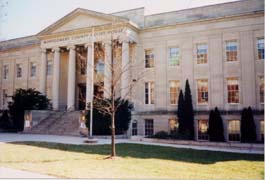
(106, 95)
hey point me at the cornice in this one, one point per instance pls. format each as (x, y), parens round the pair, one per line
(218, 19)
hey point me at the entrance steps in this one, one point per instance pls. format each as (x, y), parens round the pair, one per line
(58, 123)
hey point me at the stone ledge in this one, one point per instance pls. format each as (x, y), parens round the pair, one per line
(221, 145)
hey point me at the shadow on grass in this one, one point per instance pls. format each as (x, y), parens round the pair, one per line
(149, 151)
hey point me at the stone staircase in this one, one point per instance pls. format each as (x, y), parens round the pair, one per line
(58, 123)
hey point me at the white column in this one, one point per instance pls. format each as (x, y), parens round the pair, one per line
(71, 79)
(55, 80)
(125, 70)
(89, 70)
(43, 69)
(107, 70)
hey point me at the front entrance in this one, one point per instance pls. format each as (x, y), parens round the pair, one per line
(81, 96)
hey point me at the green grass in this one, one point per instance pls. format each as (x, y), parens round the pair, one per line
(134, 161)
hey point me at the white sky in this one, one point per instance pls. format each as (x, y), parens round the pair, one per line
(27, 17)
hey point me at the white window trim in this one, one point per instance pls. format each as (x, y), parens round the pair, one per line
(17, 71)
(153, 126)
(149, 49)
(258, 90)
(7, 77)
(168, 57)
(196, 92)
(149, 93)
(33, 77)
(228, 130)
(238, 50)
(51, 63)
(178, 82)
(195, 54)
(226, 91)
(256, 48)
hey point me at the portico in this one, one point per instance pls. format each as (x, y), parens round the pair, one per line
(65, 52)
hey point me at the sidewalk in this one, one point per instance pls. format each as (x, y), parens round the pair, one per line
(14, 137)
(14, 173)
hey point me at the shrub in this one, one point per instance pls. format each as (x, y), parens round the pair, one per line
(102, 121)
(189, 116)
(25, 99)
(185, 115)
(181, 113)
(216, 128)
(247, 127)
(160, 135)
(5, 122)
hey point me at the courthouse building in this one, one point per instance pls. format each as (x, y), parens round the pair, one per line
(218, 48)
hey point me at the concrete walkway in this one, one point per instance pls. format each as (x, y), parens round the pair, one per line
(14, 137)
(7, 173)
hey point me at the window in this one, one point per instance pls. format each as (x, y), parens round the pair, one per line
(49, 68)
(260, 47)
(173, 125)
(261, 89)
(234, 130)
(83, 67)
(262, 129)
(231, 51)
(19, 70)
(174, 92)
(149, 127)
(4, 97)
(5, 70)
(100, 66)
(203, 129)
(202, 89)
(233, 90)
(202, 51)
(134, 128)
(149, 92)
(33, 69)
(174, 56)
(149, 59)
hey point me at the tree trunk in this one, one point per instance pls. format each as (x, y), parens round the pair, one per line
(113, 148)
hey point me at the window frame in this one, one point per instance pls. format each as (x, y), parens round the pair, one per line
(197, 54)
(149, 93)
(134, 129)
(5, 71)
(149, 127)
(203, 136)
(261, 100)
(146, 60)
(237, 50)
(49, 64)
(170, 58)
(19, 73)
(257, 48)
(227, 91)
(177, 91)
(31, 65)
(234, 135)
(197, 91)
(176, 125)
(4, 97)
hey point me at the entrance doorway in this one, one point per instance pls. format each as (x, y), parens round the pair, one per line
(81, 96)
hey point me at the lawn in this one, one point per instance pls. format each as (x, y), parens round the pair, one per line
(134, 161)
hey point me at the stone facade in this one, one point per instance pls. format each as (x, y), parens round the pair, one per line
(213, 27)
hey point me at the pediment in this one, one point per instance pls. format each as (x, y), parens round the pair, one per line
(78, 19)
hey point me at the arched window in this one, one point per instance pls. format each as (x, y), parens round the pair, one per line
(134, 128)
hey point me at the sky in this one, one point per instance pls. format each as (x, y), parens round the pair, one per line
(20, 18)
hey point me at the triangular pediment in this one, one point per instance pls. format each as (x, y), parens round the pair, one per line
(78, 19)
